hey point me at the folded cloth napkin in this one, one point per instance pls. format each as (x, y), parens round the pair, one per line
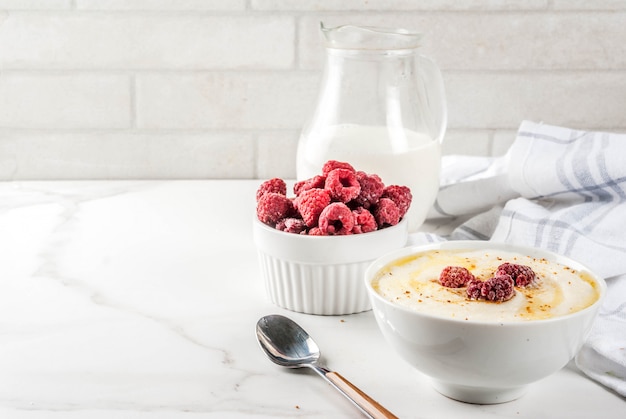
(558, 189)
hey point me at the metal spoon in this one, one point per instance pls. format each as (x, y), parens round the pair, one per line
(288, 345)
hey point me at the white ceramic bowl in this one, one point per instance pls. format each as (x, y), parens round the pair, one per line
(321, 274)
(481, 361)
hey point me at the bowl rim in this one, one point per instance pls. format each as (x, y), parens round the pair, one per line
(272, 230)
(551, 256)
(329, 250)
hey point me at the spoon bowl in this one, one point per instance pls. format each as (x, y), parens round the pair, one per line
(286, 343)
(289, 345)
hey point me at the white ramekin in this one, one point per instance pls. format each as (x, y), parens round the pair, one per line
(321, 274)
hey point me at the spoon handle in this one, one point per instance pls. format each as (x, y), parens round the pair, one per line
(362, 400)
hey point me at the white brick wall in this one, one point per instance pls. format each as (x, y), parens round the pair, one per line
(112, 89)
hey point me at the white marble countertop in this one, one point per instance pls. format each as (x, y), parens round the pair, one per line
(140, 299)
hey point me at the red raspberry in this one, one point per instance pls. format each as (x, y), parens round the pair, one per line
(401, 195)
(312, 183)
(316, 231)
(292, 225)
(455, 277)
(276, 185)
(371, 189)
(310, 205)
(364, 221)
(336, 219)
(273, 207)
(474, 289)
(499, 288)
(522, 275)
(342, 185)
(331, 165)
(386, 213)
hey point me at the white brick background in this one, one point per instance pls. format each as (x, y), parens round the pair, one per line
(112, 89)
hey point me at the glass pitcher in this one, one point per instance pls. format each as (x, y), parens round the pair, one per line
(381, 107)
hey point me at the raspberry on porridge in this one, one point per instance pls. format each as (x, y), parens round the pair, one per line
(522, 275)
(455, 277)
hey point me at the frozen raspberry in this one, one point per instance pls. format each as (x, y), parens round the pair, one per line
(312, 183)
(364, 221)
(455, 277)
(499, 288)
(292, 225)
(310, 205)
(371, 189)
(276, 185)
(273, 207)
(331, 165)
(316, 231)
(336, 219)
(474, 289)
(342, 185)
(386, 213)
(401, 195)
(522, 275)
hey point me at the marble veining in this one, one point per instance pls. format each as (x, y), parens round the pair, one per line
(138, 299)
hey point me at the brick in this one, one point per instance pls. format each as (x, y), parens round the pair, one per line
(495, 41)
(64, 101)
(589, 5)
(35, 4)
(198, 5)
(27, 155)
(396, 5)
(583, 100)
(276, 154)
(145, 41)
(225, 100)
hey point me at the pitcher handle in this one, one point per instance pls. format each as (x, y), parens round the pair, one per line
(435, 94)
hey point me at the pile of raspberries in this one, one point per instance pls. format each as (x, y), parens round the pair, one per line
(500, 287)
(339, 201)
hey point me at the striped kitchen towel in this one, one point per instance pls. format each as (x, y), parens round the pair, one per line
(558, 189)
